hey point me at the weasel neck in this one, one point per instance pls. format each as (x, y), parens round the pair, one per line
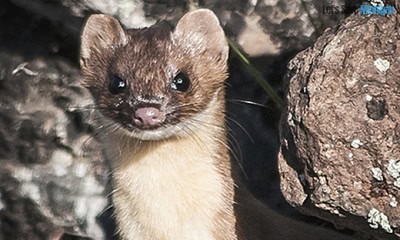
(180, 188)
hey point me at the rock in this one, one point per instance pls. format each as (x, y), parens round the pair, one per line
(70, 14)
(261, 27)
(52, 171)
(266, 27)
(340, 147)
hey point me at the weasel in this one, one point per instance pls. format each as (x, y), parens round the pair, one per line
(161, 93)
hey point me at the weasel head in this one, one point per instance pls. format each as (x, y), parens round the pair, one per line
(155, 83)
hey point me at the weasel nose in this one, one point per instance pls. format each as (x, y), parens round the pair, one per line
(147, 116)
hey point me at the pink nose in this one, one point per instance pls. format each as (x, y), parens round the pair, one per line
(147, 116)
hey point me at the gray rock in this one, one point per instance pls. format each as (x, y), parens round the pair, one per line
(340, 134)
(52, 171)
(262, 27)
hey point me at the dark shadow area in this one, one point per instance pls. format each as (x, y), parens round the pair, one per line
(29, 35)
(254, 127)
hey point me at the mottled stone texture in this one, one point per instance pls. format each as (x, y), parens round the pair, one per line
(52, 172)
(52, 175)
(340, 135)
(261, 27)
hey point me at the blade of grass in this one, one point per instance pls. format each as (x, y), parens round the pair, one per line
(256, 74)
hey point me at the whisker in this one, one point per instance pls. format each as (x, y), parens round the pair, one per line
(228, 85)
(248, 102)
(173, 108)
(194, 135)
(92, 136)
(207, 124)
(106, 209)
(88, 107)
(236, 152)
(231, 140)
(235, 144)
(230, 119)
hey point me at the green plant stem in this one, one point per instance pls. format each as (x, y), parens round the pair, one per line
(256, 75)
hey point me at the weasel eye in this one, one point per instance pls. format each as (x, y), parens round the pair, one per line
(116, 84)
(180, 83)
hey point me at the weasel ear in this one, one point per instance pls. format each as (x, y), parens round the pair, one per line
(101, 33)
(201, 30)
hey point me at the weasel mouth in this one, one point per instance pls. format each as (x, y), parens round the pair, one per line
(155, 133)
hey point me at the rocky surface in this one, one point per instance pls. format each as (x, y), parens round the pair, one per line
(52, 172)
(51, 165)
(340, 135)
(261, 27)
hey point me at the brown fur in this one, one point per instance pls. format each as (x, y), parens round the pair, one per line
(180, 185)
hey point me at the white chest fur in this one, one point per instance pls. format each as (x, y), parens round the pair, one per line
(170, 190)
